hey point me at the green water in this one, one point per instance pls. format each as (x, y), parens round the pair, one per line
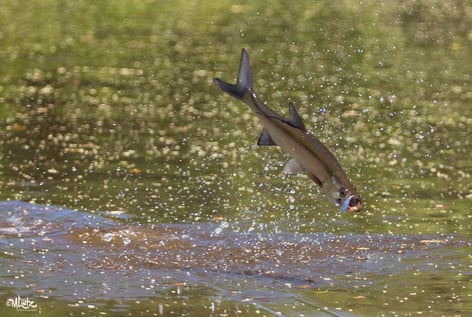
(110, 106)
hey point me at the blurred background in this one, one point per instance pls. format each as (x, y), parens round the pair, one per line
(110, 106)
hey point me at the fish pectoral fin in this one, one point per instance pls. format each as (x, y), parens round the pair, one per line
(293, 167)
(265, 139)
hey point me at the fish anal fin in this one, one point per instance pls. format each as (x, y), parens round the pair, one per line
(265, 139)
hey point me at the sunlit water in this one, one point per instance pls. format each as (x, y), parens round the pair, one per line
(86, 260)
(131, 185)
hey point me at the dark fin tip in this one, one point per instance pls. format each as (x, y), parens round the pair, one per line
(294, 118)
(265, 139)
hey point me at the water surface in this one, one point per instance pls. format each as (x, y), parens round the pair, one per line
(131, 185)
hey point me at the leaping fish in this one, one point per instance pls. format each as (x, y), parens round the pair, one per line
(309, 155)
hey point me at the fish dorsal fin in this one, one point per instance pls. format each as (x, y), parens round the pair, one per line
(265, 139)
(293, 167)
(294, 118)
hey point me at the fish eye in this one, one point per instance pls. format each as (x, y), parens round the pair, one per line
(343, 192)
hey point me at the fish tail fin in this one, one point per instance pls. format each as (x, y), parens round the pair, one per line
(244, 81)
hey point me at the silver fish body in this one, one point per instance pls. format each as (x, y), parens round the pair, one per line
(309, 155)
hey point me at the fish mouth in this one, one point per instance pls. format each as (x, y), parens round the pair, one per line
(352, 204)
